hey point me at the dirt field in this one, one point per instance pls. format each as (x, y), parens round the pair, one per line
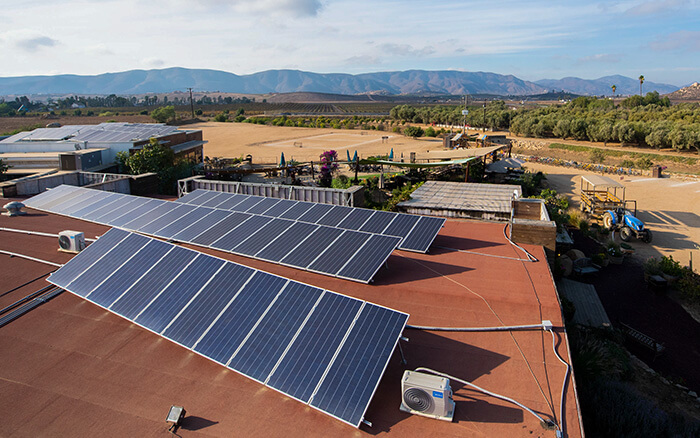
(265, 143)
(669, 207)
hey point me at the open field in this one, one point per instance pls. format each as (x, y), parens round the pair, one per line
(265, 143)
(669, 207)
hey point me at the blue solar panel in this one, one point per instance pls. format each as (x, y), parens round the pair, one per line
(264, 205)
(423, 234)
(296, 211)
(107, 265)
(278, 209)
(216, 200)
(108, 292)
(335, 216)
(201, 198)
(380, 220)
(59, 200)
(138, 209)
(286, 242)
(248, 203)
(268, 341)
(282, 333)
(314, 212)
(239, 234)
(331, 260)
(363, 264)
(262, 237)
(150, 216)
(231, 201)
(245, 234)
(308, 250)
(198, 227)
(233, 325)
(401, 226)
(165, 220)
(143, 291)
(86, 258)
(106, 200)
(230, 222)
(177, 294)
(362, 359)
(196, 318)
(191, 196)
(356, 218)
(302, 367)
(42, 199)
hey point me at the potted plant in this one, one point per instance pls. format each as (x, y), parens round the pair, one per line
(671, 269)
(615, 253)
(600, 259)
(651, 267)
(626, 248)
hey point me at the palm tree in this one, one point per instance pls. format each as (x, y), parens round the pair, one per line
(641, 81)
(614, 87)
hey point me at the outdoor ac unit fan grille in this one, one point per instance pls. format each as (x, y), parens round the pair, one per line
(64, 242)
(418, 400)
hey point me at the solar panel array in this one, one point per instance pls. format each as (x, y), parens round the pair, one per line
(322, 348)
(416, 232)
(104, 132)
(348, 254)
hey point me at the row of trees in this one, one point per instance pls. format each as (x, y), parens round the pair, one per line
(645, 121)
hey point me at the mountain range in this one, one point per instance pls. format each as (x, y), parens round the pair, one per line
(415, 82)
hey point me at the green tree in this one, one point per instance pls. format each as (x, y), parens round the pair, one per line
(641, 81)
(614, 87)
(156, 158)
(413, 131)
(163, 114)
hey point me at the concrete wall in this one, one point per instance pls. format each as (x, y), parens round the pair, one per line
(144, 184)
(531, 224)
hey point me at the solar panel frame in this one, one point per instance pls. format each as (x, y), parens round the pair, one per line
(249, 343)
(201, 226)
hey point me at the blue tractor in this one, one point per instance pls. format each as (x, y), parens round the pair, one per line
(627, 223)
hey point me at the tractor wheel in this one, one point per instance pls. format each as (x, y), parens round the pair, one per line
(608, 221)
(626, 234)
(647, 237)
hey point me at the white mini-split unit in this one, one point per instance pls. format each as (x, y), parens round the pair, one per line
(71, 241)
(427, 395)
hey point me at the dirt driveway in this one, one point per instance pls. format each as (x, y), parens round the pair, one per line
(669, 207)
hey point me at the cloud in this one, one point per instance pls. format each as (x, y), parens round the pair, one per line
(297, 8)
(362, 60)
(657, 7)
(35, 43)
(153, 62)
(684, 40)
(603, 58)
(99, 50)
(407, 50)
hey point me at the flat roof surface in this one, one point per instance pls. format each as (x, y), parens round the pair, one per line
(102, 133)
(601, 181)
(70, 368)
(441, 195)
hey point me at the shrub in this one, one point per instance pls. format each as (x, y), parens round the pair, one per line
(597, 156)
(430, 132)
(221, 117)
(583, 225)
(652, 266)
(644, 163)
(627, 163)
(670, 267)
(689, 285)
(413, 131)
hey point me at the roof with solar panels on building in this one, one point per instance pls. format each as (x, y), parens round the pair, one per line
(238, 315)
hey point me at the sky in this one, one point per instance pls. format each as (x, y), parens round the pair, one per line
(529, 39)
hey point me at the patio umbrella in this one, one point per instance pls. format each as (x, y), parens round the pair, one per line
(391, 154)
(282, 162)
(347, 151)
(354, 158)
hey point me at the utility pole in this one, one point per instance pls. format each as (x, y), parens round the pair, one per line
(191, 102)
(464, 113)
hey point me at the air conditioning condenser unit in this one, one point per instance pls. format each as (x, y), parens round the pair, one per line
(71, 241)
(427, 395)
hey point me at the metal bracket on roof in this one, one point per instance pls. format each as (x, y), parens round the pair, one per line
(368, 423)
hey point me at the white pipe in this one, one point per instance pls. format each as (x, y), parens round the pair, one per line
(34, 259)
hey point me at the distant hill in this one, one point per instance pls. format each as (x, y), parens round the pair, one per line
(272, 81)
(691, 92)
(410, 82)
(601, 86)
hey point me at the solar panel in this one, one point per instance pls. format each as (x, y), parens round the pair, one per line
(349, 218)
(252, 235)
(324, 349)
